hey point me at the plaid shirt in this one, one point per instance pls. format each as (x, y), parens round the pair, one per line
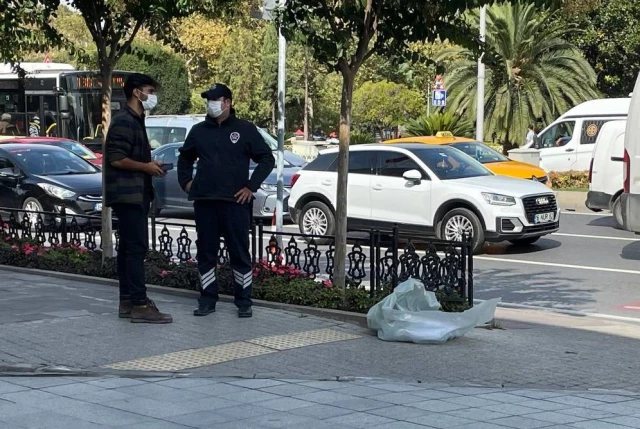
(127, 138)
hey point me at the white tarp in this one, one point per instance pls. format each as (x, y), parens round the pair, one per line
(413, 314)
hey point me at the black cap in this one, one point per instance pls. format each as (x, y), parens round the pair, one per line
(216, 91)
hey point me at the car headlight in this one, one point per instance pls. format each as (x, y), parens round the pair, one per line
(269, 187)
(57, 191)
(498, 199)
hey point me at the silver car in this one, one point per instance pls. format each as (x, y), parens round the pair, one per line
(169, 194)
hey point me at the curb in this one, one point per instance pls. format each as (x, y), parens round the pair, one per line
(339, 315)
(572, 201)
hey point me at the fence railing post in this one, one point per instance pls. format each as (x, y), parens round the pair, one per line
(470, 271)
(378, 256)
(153, 226)
(395, 244)
(372, 263)
(260, 241)
(254, 241)
(462, 280)
(63, 224)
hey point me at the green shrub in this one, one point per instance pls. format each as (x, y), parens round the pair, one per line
(275, 283)
(569, 179)
(436, 122)
(361, 138)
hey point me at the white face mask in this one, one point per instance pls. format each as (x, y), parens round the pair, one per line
(214, 108)
(150, 103)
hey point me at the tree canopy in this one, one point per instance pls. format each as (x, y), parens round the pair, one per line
(534, 73)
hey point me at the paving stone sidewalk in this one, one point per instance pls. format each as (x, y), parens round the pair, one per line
(181, 403)
(45, 320)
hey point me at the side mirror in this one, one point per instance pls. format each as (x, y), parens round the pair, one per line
(9, 173)
(413, 176)
(63, 103)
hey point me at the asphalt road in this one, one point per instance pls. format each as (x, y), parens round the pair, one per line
(587, 266)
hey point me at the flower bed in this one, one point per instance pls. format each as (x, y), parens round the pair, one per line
(276, 283)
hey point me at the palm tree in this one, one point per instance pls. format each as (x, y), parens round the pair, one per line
(440, 121)
(532, 74)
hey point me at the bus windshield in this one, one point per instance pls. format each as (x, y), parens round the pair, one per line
(54, 100)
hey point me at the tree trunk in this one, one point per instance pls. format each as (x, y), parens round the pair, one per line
(306, 95)
(339, 274)
(107, 233)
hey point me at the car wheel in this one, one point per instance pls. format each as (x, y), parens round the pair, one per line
(462, 221)
(31, 206)
(524, 241)
(616, 210)
(316, 218)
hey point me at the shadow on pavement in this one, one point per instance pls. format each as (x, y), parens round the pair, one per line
(631, 251)
(506, 248)
(603, 221)
(544, 288)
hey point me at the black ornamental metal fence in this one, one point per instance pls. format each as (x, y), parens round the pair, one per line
(375, 259)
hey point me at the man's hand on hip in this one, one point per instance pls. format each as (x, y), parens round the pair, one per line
(244, 195)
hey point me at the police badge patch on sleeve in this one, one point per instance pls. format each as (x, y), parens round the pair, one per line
(235, 136)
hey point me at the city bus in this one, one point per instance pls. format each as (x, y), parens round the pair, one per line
(54, 99)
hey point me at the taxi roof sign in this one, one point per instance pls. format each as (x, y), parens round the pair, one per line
(444, 134)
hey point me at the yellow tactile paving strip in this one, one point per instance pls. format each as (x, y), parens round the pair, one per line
(302, 339)
(194, 358)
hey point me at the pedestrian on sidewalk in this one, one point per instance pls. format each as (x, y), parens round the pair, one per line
(222, 193)
(129, 191)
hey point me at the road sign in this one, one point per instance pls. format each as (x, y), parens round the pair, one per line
(439, 98)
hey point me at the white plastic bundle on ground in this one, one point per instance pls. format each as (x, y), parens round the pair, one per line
(413, 314)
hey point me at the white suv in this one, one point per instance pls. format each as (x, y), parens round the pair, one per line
(434, 190)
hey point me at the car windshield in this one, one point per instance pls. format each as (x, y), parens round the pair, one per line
(480, 152)
(78, 149)
(50, 161)
(448, 163)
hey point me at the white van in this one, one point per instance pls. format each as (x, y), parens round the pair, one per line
(165, 129)
(631, 165)
(567, 144)
(605, 172)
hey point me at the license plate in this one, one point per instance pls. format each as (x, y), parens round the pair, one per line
(544, 217)
(98, 207)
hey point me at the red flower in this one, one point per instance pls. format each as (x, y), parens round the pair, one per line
(163, 273)
(327, 283)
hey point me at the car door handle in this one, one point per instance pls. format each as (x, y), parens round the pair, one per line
(569, 149)
(326, 182)
(377, 187)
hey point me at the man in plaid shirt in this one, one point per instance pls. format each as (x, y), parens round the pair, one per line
(129, 191)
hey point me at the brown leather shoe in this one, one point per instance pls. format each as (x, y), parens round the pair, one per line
(149, 313)
(124, 311)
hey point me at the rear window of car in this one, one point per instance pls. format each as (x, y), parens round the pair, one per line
(322, 162)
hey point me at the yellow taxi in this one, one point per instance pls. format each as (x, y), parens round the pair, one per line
(492, 159)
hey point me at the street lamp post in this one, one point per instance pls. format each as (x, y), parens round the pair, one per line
(266, 14)
(282, 64)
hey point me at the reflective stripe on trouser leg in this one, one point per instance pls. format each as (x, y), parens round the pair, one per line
(243, 280)
(208, 278)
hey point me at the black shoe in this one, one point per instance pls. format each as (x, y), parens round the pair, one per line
(245, 312)
(204, 309)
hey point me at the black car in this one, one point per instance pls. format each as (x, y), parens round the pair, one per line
(45, 178)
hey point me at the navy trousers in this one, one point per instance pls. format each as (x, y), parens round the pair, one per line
(215, 219)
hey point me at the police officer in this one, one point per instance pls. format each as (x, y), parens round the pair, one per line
(222, 193)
